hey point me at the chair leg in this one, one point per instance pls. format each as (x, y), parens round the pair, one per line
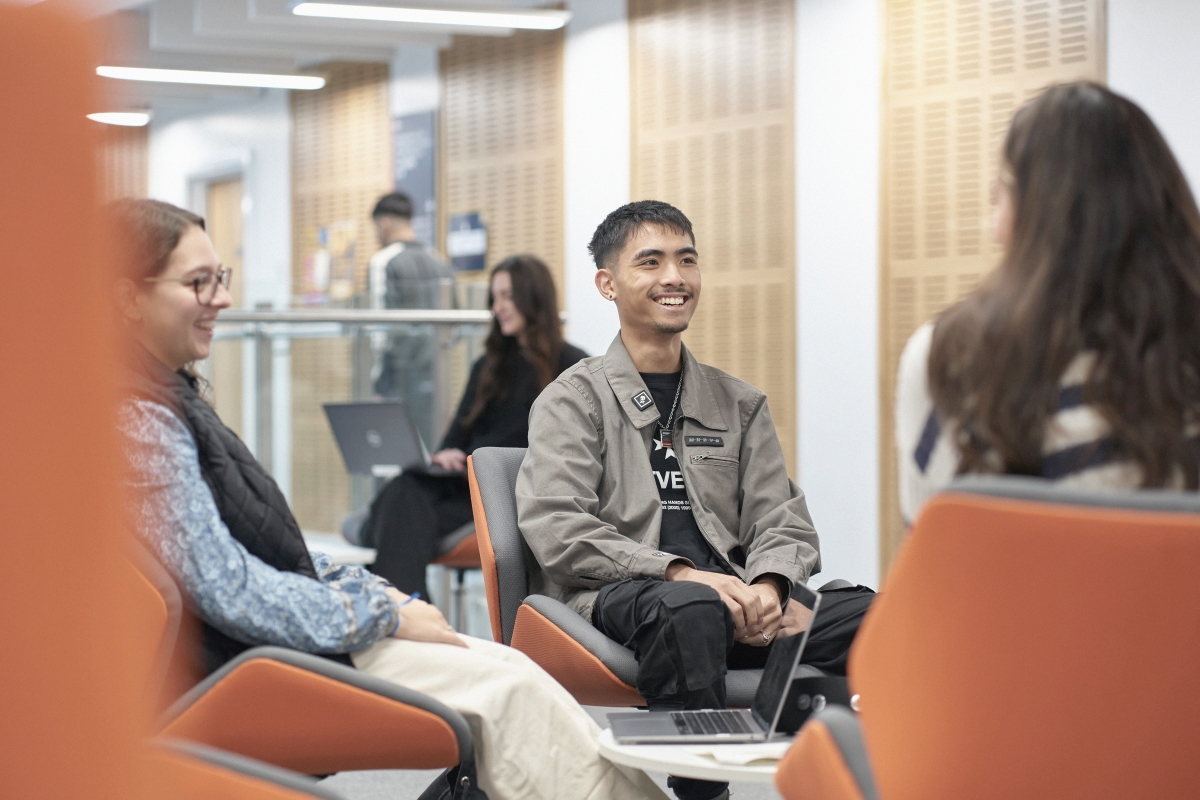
(446, 593)
(460, 601)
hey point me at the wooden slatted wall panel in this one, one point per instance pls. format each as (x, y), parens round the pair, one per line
(124, 157)
(341, 164)
(713, 135)
(954, 73)
(501, 135)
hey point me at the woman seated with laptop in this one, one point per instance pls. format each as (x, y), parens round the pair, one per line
(525, 351)
(1078, 358)
(222, 528)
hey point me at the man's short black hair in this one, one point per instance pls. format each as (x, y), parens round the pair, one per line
(627, 220)
(396, 204)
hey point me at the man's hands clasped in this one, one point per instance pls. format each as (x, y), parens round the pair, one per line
(757, 615)
(422, 622)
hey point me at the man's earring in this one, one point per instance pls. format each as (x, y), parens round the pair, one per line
(610, 297)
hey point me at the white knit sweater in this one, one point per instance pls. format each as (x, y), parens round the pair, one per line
(1077, 450)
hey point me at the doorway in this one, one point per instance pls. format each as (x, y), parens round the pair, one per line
(223, 209)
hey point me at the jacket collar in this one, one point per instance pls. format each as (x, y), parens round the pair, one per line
(697, 402)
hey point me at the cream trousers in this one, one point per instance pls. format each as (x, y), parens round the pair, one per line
(532, 740)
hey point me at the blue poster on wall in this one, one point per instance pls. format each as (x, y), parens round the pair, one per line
(414, 149)
(467, 242)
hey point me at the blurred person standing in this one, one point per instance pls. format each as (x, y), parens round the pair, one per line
(1078, 359)
(406, 274)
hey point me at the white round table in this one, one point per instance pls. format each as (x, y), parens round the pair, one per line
(702, 761)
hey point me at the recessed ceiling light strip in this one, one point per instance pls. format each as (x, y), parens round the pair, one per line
(526, 20)
(129, 119)
(246, 79)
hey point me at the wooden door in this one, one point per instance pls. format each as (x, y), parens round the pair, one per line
(224, 223)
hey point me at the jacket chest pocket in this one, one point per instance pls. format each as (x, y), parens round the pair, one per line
(712, 459)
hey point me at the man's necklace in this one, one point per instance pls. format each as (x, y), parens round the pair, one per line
(665, 432)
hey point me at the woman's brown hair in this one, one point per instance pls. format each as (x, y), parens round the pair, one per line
(535, 297)
(1104, 258)
(145, 233)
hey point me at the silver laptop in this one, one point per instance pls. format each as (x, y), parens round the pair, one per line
(755, 724)
(379, 438)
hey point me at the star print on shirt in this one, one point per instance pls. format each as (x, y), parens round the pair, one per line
(658, 445)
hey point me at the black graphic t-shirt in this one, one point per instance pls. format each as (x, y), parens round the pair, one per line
(679, 534)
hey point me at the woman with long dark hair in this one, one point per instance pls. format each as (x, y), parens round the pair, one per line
(1078, 358)
(219, 524)
(525, 351)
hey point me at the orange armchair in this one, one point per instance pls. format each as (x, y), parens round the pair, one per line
(296, 710)
(1030, 642)
(184, 771)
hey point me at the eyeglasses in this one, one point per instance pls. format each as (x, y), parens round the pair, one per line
(205, 286)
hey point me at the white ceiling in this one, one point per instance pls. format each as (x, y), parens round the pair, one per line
(250, 35)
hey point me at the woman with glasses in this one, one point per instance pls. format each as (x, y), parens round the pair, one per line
(222, 528)
(1078, 358)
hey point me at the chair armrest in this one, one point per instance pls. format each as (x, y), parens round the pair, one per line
(313, 715)
(828, 760)
(187, 771)
(617, 658)
(618, 661)
(587, 663)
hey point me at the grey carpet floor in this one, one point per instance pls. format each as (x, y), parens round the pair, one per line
(408, 785)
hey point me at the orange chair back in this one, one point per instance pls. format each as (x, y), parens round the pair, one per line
(69, 696)
(487, 556)
(1033, 649)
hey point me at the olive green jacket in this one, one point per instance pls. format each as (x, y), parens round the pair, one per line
(587, 503)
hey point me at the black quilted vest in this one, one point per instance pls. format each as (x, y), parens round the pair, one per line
(249, 501)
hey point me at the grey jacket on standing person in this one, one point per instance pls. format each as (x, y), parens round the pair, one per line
(587, 503)
(413, 278)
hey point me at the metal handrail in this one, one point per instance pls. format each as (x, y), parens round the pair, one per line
(357, 315)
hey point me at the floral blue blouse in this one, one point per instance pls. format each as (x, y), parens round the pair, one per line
(344, 610)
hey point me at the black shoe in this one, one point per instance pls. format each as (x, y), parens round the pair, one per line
(693, 789)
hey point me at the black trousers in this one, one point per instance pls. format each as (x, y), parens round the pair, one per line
(407, 518)
(681, 634)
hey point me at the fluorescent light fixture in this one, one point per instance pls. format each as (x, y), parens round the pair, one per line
(130, 119)
(529, 20)
(251, 79)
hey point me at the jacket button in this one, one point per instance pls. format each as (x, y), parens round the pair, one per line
(660, 554)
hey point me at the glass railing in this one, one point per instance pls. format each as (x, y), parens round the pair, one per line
(270, 372)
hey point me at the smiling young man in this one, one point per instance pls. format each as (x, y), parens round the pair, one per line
(655, 496)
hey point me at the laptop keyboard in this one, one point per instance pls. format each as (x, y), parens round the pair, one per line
(709, 723)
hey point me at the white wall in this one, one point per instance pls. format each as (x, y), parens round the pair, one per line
(250, 138)
(1154, 59)
(596, 155)
(837, 293)
(413, 81)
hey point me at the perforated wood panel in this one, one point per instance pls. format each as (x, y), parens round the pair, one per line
(501, 153)
(713, 135)
(123, 161)
(955, 71)
(341, 164)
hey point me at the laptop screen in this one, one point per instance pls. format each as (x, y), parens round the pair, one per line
(777, 674)
(375, 433)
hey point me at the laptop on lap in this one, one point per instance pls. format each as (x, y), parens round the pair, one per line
(759, 723)
(379, 438)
